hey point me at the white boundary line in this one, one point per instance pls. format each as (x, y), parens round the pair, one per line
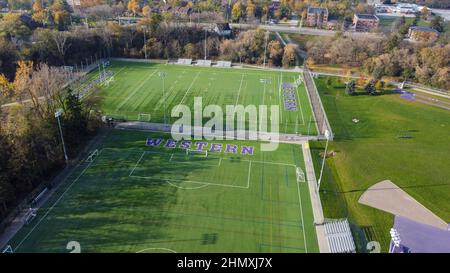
(239, 92)
(299, 104)
(301, 215)
(54, 204)
(190, 86)
(137, 163)
(134, 91)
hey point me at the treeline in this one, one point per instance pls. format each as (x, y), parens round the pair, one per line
(428, 64)
(30, 143)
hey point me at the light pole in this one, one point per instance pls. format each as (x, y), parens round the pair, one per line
(163, 74)
(327, 135)
(145, 42)
(57, 115)
(265, 48)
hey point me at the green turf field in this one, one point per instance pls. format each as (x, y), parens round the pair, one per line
(372, 150)
(137, 198)
(137, 89)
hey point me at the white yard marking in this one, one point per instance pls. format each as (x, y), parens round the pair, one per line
(134, 91)
(239, 92)
(56, 202)
(137, 163)
(301, 215)
(299, 104)
(190, 86)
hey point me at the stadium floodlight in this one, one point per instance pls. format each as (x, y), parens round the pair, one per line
(58, 113)
(327, 135)
(163, 75)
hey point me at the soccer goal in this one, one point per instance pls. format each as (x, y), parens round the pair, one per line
(92, 156)
(195, 152)
(300, 175)
(144, 117)
(8, 249)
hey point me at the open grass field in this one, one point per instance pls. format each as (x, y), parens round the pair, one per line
(138, 89)
(373, 150)
(138, 198)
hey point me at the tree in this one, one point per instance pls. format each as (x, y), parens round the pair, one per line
(133, 6)
(275, 52)
(236, 12)
(350, 88)
(437, 23)
(328, 81)
(12, 26)
(289, 55)
(424, 13)
(60, 39)
(39, 13)
(190, 51)
(370, 87)
(146, 11)
(379, 85)
(250, 10)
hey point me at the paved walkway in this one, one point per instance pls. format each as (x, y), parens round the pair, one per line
(315, 200)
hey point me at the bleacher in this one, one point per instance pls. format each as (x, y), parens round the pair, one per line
(184, 61)
(223, 64)
(203, 62)
(339, 236)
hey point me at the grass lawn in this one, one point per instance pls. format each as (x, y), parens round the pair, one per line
(138, 198)
(371, 151)
(137, 88)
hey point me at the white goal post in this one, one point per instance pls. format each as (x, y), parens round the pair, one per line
(144, 117)
(201, 152)
(92, 156)
(300, 175)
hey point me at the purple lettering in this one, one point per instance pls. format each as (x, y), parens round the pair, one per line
(230, 148)
(171, 143)
(154, 141)
(247, 150)
(200, 145)
(216, 147)
(185, 144)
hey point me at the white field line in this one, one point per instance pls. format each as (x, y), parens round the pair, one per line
(279, 97)
(54, 204)
(191, 181)
(299, 104)
(167, 92)
(134, 91)
(190, 86)
(249, 172)
(239, 92)
(137, 163)
(301, 214)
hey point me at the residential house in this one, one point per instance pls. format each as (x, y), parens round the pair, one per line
(423, 34)
(365, 22)
(317, 17)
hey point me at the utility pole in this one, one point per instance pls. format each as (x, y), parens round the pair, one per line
(57, 115)
(205, 42)
(327, 135)
(145, 42)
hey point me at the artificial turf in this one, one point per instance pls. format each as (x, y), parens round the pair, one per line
(139, 88)
(137, 198)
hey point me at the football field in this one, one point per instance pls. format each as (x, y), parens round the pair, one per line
(144, 91)
(145, 193)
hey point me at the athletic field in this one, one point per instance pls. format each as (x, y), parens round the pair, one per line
(141, 91)
(140, 196)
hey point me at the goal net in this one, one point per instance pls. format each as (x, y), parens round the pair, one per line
(144, 117)
(8, 249)
(92, 156)
(300, 175)
(197, 152)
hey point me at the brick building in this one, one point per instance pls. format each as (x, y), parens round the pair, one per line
(316, 17)
(365, 22)
(423, 34)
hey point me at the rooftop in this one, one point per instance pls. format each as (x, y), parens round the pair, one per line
(317, 10)
(366, 16)
(423, 29)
